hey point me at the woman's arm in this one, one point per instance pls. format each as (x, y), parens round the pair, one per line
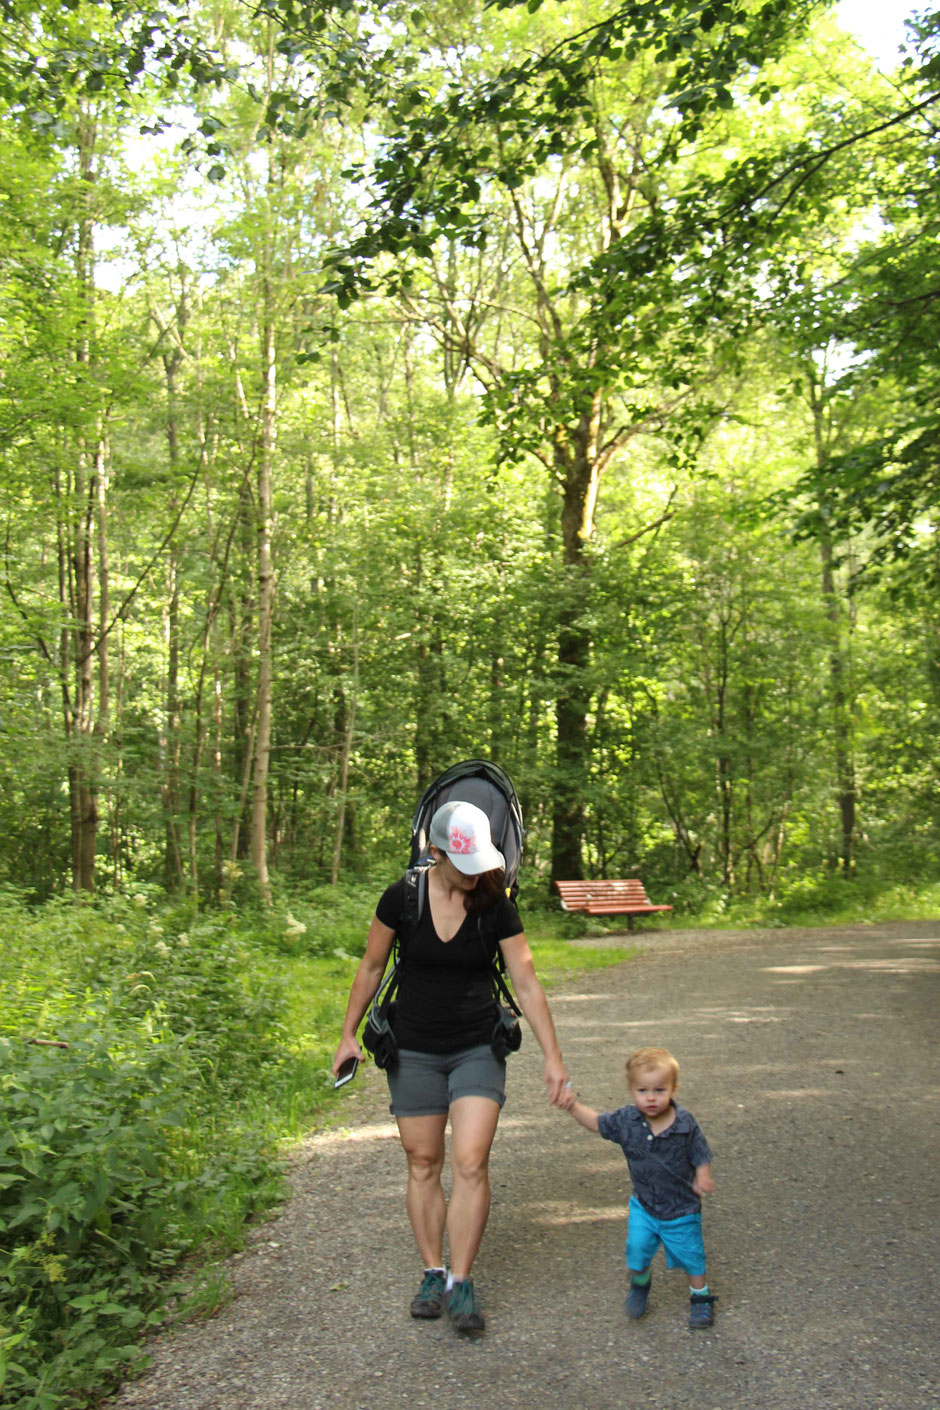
(534, 1005)
(367, 979)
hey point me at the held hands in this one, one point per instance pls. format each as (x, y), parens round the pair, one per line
(570, 1102)
(556, 1077)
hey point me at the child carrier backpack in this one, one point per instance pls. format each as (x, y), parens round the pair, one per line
(490, 788)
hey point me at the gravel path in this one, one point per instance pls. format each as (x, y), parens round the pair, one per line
(806, 1056)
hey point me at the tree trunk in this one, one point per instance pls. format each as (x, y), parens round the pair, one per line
(839, 686)
(81, 536)
(242, 607)
(578, 465)
(432, 703)
(347, 751)
(259, 803)
(173, 846)
(209, 642)
(217, 738)
(843, 749)
(724, 765)
(102, 725)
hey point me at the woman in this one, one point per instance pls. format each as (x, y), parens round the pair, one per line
(444, 1019)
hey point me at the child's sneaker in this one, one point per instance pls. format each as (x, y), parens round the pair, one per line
(429, 1299)
(463, 1308)
(701, 1310)
(635, 1305)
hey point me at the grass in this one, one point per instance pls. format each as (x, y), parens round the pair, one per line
(208, 1294)
(556, 961)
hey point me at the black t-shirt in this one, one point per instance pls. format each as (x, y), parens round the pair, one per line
(445, 996)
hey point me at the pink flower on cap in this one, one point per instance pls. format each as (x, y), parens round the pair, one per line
(460, 841)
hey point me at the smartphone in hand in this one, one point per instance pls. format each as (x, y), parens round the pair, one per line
(347, 1072)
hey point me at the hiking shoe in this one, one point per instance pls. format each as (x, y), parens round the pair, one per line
(635, 1305)
(701, 1310)
(429, 1299)
(463, 1308)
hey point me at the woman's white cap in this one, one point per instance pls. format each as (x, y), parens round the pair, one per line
(462, 830)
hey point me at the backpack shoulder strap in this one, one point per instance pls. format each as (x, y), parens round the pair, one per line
(416, 894)
(501, 990)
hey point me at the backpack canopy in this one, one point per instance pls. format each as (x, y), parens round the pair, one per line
(490, 788)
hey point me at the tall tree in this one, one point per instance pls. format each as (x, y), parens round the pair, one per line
(586, 127)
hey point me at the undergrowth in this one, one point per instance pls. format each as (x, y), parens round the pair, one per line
(149, 1070)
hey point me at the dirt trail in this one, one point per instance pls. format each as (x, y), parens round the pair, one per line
(808, 1057)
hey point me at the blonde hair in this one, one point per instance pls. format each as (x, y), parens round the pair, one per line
(645, 1059)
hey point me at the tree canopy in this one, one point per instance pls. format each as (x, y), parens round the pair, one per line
(386, 385)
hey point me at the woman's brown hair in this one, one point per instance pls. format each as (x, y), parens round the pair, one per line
(488, 892)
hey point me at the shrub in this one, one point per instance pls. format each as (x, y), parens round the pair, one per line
(85, 1205)
(133, 1054)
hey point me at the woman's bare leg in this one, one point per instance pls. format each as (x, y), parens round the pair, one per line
(472, 1128)
(423, 1140)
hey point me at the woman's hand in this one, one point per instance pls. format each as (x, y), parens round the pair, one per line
(557, 1085)
(348, 1047)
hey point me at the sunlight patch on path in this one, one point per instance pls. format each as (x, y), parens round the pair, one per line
(564, 1214)
(344, 1135)
(795, 968)
(912, 964)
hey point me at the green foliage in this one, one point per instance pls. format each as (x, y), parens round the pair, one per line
(426, 605)
(810, 900)
(867, 303)
(134, 1054)
(85, 1209)
(507, 126)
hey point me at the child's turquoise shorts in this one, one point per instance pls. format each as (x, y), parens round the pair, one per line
(681, 1238)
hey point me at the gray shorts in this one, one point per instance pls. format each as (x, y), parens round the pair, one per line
(425, 1084)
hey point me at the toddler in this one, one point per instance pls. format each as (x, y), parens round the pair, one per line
(670, 1166)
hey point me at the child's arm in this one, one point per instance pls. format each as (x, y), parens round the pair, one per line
(584, 1115)
(703, 1184)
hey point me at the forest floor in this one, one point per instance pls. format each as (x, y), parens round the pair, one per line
(807, 1057)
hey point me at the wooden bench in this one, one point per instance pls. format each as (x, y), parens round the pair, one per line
(607, 898)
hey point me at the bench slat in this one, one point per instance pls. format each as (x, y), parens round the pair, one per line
(611, 908)
(586, 891)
